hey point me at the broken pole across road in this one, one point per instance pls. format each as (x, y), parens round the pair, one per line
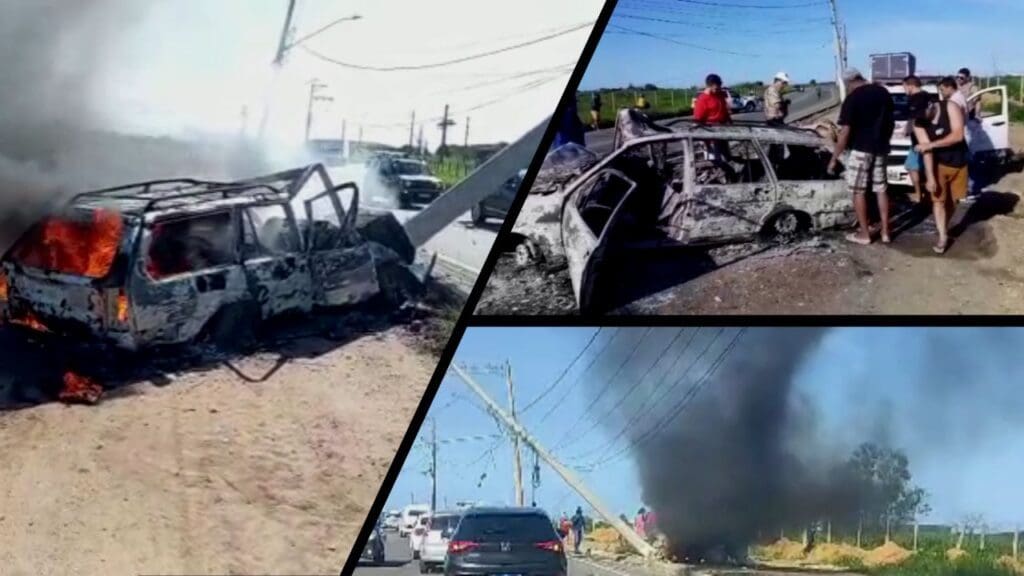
(570, 478)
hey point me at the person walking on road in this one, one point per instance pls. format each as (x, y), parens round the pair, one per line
(867, 122)
(918, 105)
(943, 143)
(775, 107)
(595, 110)
(578, 523)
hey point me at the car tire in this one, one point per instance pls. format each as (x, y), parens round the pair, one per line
(424, 568)
(783, 226)
(749, 107)
(476, 214)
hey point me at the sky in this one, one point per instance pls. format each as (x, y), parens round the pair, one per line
(188, 67)
(749, 44)
(863, 384)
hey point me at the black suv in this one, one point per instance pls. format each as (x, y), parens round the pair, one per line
(395, 180)
(497, 205)
(506, 541)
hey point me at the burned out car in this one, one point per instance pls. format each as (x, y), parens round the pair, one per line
(167, 262)
(687, 185)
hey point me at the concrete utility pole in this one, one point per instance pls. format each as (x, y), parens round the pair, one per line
(444, 124)
(840, 52)
(433, 465)
(412, 128)
(282, 46)
(570, 478)
(313, 87)
(517, 463)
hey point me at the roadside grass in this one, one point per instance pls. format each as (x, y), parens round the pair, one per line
(451, 169)
(932, 561)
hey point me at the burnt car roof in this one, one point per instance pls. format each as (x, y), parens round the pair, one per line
(632, 125)
(189, 194)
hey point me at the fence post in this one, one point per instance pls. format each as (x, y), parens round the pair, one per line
(655, 99)
(915, 535)
(981, 532)
(828, 533)
(614, 109)
(672, 94)
(860, 529)
(1016, 534)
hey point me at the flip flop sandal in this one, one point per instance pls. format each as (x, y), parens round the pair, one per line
(853, 237)
(939, 249)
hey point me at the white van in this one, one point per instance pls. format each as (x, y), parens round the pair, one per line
(410, 515)
(988, 135)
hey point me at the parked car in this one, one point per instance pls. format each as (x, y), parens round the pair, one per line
(435, 543)
(374, 549)
(419, 532)
(392, 518)
(737, 102)
(505, 541)
(410, 517)
(172, 261)
(400, 181)
(661, 189)
(497, 205)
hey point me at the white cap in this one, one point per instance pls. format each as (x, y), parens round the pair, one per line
(782, 76)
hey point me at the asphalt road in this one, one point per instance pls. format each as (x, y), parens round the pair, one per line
(600, 141)
(460, 241)
(398, 562)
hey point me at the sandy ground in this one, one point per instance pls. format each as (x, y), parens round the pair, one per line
(211, 472)
(981, 273)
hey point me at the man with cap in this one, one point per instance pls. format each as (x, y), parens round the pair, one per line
(775, 108)
(966, 89)
(867, 122)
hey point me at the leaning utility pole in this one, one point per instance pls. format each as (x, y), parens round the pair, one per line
(517, 463)
(840, 52)
(282, 46)
(570, 478)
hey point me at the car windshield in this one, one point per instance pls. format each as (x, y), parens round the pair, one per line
(410, 168)
(81, 243)
(442, 523)
(504, 527)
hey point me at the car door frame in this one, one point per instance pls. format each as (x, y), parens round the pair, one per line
(992, 133)
(345, 274)
(691, 221)
(279, 283)
(584, 250)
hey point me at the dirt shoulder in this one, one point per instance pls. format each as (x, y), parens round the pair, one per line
(257, 467)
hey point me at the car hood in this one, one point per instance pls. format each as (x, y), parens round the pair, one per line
(418, 179)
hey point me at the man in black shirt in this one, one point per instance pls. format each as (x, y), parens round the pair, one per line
(918, 105)
(867, 122)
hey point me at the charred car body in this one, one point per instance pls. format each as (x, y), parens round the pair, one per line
(166, 262)
(686, 185)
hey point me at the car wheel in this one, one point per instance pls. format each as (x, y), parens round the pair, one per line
(785, 225)
(749, 107)
(424, 569)
(476, 213)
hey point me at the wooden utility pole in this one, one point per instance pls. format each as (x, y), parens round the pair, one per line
(517, 463)
(840, 52)
(444, 124)
(568, 475)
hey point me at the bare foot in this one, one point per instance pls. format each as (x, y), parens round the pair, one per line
(858, 239)
(886, 239)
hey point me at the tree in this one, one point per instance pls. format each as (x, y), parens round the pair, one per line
(650, 87)
(883, 487)
(813, 82)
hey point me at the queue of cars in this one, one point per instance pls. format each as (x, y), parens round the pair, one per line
(477, 541)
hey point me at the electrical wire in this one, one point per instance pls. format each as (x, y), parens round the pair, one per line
(757, 6)
(558, 380)
(578, 378)
(680, 42)
(459, 60)
(719, 28)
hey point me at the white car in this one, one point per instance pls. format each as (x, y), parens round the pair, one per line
(410, 517)
(434, 547)
(417, 535)
(392, 518)
(988, 134)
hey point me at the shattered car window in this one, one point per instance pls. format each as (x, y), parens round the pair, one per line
(600, 197)
(724, 162)
(83, 243)
(190, 244)
(794, 162)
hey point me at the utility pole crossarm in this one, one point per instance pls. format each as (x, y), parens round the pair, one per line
(569, 476)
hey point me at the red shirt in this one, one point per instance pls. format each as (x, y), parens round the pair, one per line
(712, 109)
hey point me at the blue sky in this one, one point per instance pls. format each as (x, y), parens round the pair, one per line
(943, 34)
(860, 383)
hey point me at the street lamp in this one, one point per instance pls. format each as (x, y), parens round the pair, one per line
(285, 46)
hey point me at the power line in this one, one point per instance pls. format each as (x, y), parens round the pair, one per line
(696, 14)
(648, 407)
(681, 405)
(587, 25)
(629, 392)
(680, 42)
(604, 389)
(585, 370)
(757, 6)
(718, 28)
(562, 375)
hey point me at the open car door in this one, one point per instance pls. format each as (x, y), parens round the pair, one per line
(989, 131)
(589, 218)
(342, 267)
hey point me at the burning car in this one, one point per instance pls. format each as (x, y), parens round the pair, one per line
(687, 185)
(172, 261)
